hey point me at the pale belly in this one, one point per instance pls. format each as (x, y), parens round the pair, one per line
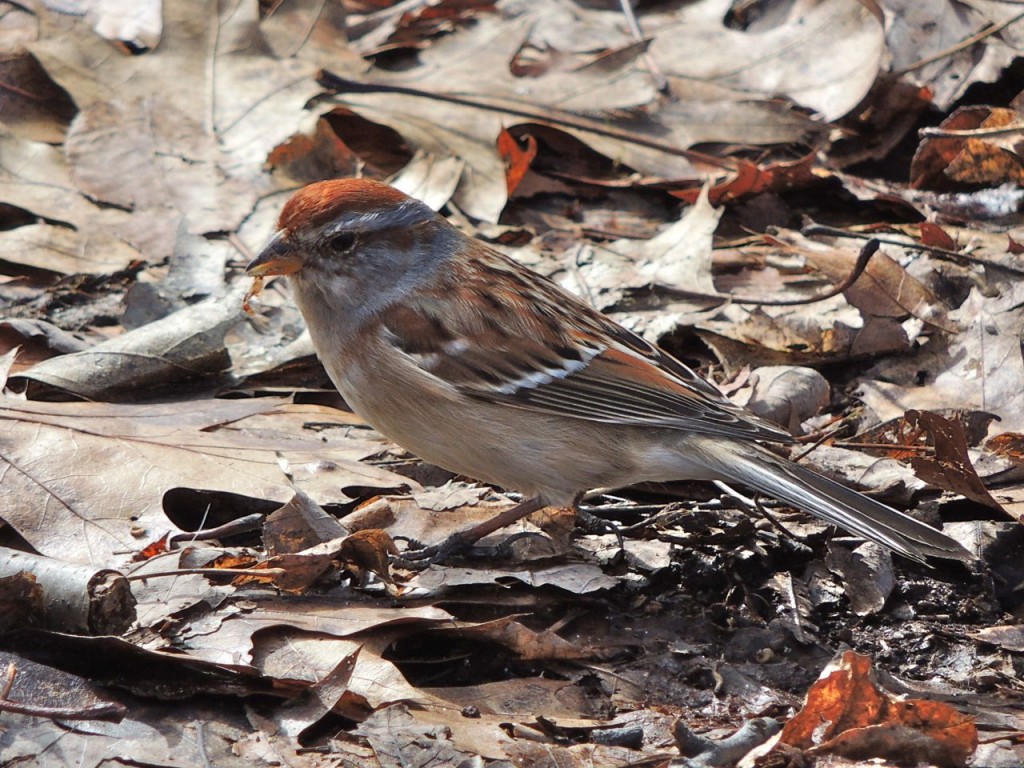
(552, 457)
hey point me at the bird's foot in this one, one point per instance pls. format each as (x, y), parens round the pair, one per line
(422, 557)
(591, 523)
(419, 558)
(457, 543)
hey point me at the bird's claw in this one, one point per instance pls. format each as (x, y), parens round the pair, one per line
(591, 523)
(422, 558)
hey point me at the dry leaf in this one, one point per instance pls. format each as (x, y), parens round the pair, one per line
(846, 713)
(63, 462)
(950, 468)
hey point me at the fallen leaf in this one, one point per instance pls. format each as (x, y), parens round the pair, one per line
(309, 707)
(847, 714)
(951, 467)
(934, 235)
(62, 462)
(1009, 637)
(974, 157)
(978, 369)
(867, 574)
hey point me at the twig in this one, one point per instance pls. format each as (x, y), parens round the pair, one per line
(97, 712)
(753, 504)
(241, 247)
(660, 81)
(762, 510)
(821, 229)
(663, 515)
(884, 446)
(966, 43)
(12, 672)
(550, 116)
(818, 440)
(232, 528)
(208, 572)
(869, 250)
(973, 133)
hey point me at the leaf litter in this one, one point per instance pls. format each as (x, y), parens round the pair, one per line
(157, 423)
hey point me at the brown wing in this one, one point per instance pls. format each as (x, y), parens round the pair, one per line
(519, 339)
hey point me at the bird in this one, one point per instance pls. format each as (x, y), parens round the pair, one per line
(479, 365)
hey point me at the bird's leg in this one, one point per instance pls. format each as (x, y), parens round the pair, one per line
(421, 558)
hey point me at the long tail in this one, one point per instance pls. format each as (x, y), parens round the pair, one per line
(836, 504)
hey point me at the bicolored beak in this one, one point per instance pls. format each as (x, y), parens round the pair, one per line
(278, 257)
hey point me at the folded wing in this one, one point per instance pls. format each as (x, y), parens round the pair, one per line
(539, 347)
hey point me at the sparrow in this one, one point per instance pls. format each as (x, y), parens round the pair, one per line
(477, 364)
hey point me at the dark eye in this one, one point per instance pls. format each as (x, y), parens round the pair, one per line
(342, 242)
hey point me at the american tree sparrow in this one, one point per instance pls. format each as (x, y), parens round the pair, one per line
(481, 366)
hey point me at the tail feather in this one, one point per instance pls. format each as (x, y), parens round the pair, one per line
(836, 504)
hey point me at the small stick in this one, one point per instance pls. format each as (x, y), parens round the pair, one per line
(966, 43)
(660, 81)
(209, 572)
(869, 250)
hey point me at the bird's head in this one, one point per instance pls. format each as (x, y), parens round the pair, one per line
(355, 243)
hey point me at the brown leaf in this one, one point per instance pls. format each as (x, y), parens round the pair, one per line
(298, 572)
(951, 467)
(848, 714)
(885, 289)
(33, 106)
(578, 578)
(867, 575)
(425, 108)
(397, 739)
(104, 473)
(799, 54)
(50, 692)
(186, 343)
(154, 548)
(979, 368)
(369, 549)
(973, 157)
(1010, 445)
(990, 160)
(517, 158)
(901, 439)
(1009, 637)
(299, 525)
(787, 395)
(315, 702)
(311, 649)
(175, 138)
(526, 643)
(744, 180)
(844, 697)
(324, 155)
(933, 234)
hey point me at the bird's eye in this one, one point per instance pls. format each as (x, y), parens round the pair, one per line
(342, 242)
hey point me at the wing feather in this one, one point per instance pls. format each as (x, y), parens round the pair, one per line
(526, 342)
